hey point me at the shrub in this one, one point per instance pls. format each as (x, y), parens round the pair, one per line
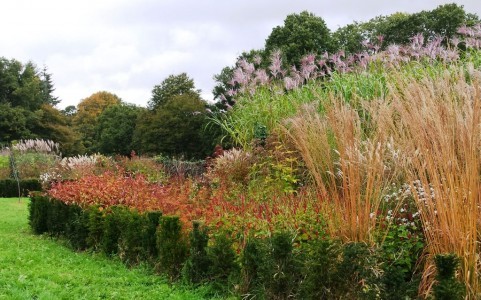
(38, 214)
(112, 230)
(223, 268)
(57, 217)
(32, 165)
(447, 287)
(131, 236)
(148, 167)
(149, 233)
(9, 187)
(284, 269)
(356, 275)
(319, 269)
(253, 267)
(110, 188)
(197, 265)
(95, 226)
(231, 169)
(172, 246)
(4, 166)
(181, 168)
(77, 228)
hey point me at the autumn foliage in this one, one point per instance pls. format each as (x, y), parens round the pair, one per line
(114, 188)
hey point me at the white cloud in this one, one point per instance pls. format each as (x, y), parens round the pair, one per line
(126, 47)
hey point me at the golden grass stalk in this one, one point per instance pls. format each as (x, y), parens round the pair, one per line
(348, 168)
(437, 124)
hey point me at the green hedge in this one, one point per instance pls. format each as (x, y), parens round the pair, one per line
(9, 187)
(265, 268)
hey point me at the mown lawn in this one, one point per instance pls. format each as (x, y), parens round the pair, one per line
(39, 267)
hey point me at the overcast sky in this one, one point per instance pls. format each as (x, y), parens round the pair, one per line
(128, 46)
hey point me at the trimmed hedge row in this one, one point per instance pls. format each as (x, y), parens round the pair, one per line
(272, 268)
(9, 187)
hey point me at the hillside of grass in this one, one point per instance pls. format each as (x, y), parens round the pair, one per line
(38, 267)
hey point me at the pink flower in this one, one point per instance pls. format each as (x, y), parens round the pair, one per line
(289, 84)
(261, 76)
(463, 30)
(276, 63)
(308, 66)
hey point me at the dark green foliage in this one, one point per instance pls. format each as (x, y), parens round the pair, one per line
(172, 86)
(130, 234)
(177, 117)
(447, 287)
(196, 268)
(355, 273)
(95, 227)
(77, 230)
(38, 214)
(400, 251)
(20, 84)
(260, 134)
(57, 217)
(48, 88)
(13, 123)
(115, 129)
(180, 125)
(172, 246)
(284, 268)
(27, 106)
(300, 35)
(149, 233)
(130, 239)
(112, 229)
(272, 268)
(253, 267)
(223, 265)
(9, 187)
(397, 284)
(399, 28)
(220, 90)
(49, 123)
(319, 270)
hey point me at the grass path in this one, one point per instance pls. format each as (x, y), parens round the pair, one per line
(38, 267)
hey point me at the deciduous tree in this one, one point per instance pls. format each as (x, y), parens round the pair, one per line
(301, 34)
(175, 129)
(115, 129)
(88, 110)
(170, 87)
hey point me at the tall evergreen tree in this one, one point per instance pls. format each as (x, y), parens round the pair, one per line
(48, 88)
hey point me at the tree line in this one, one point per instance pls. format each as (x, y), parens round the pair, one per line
(173, 124)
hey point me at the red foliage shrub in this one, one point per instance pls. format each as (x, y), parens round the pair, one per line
(111, 188)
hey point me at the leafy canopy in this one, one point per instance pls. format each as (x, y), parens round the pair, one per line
(170, 87)
(88, 111)
(300, 35)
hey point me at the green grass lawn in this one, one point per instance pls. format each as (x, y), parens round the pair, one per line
(39, 267)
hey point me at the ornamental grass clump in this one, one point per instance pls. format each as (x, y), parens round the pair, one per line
(37, 145)
(436, 123)
(349, 169)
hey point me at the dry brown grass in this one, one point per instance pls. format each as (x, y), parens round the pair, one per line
(427, 130)
(437, 124)
(348, 167)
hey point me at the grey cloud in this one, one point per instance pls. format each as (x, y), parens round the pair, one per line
(127, 47)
